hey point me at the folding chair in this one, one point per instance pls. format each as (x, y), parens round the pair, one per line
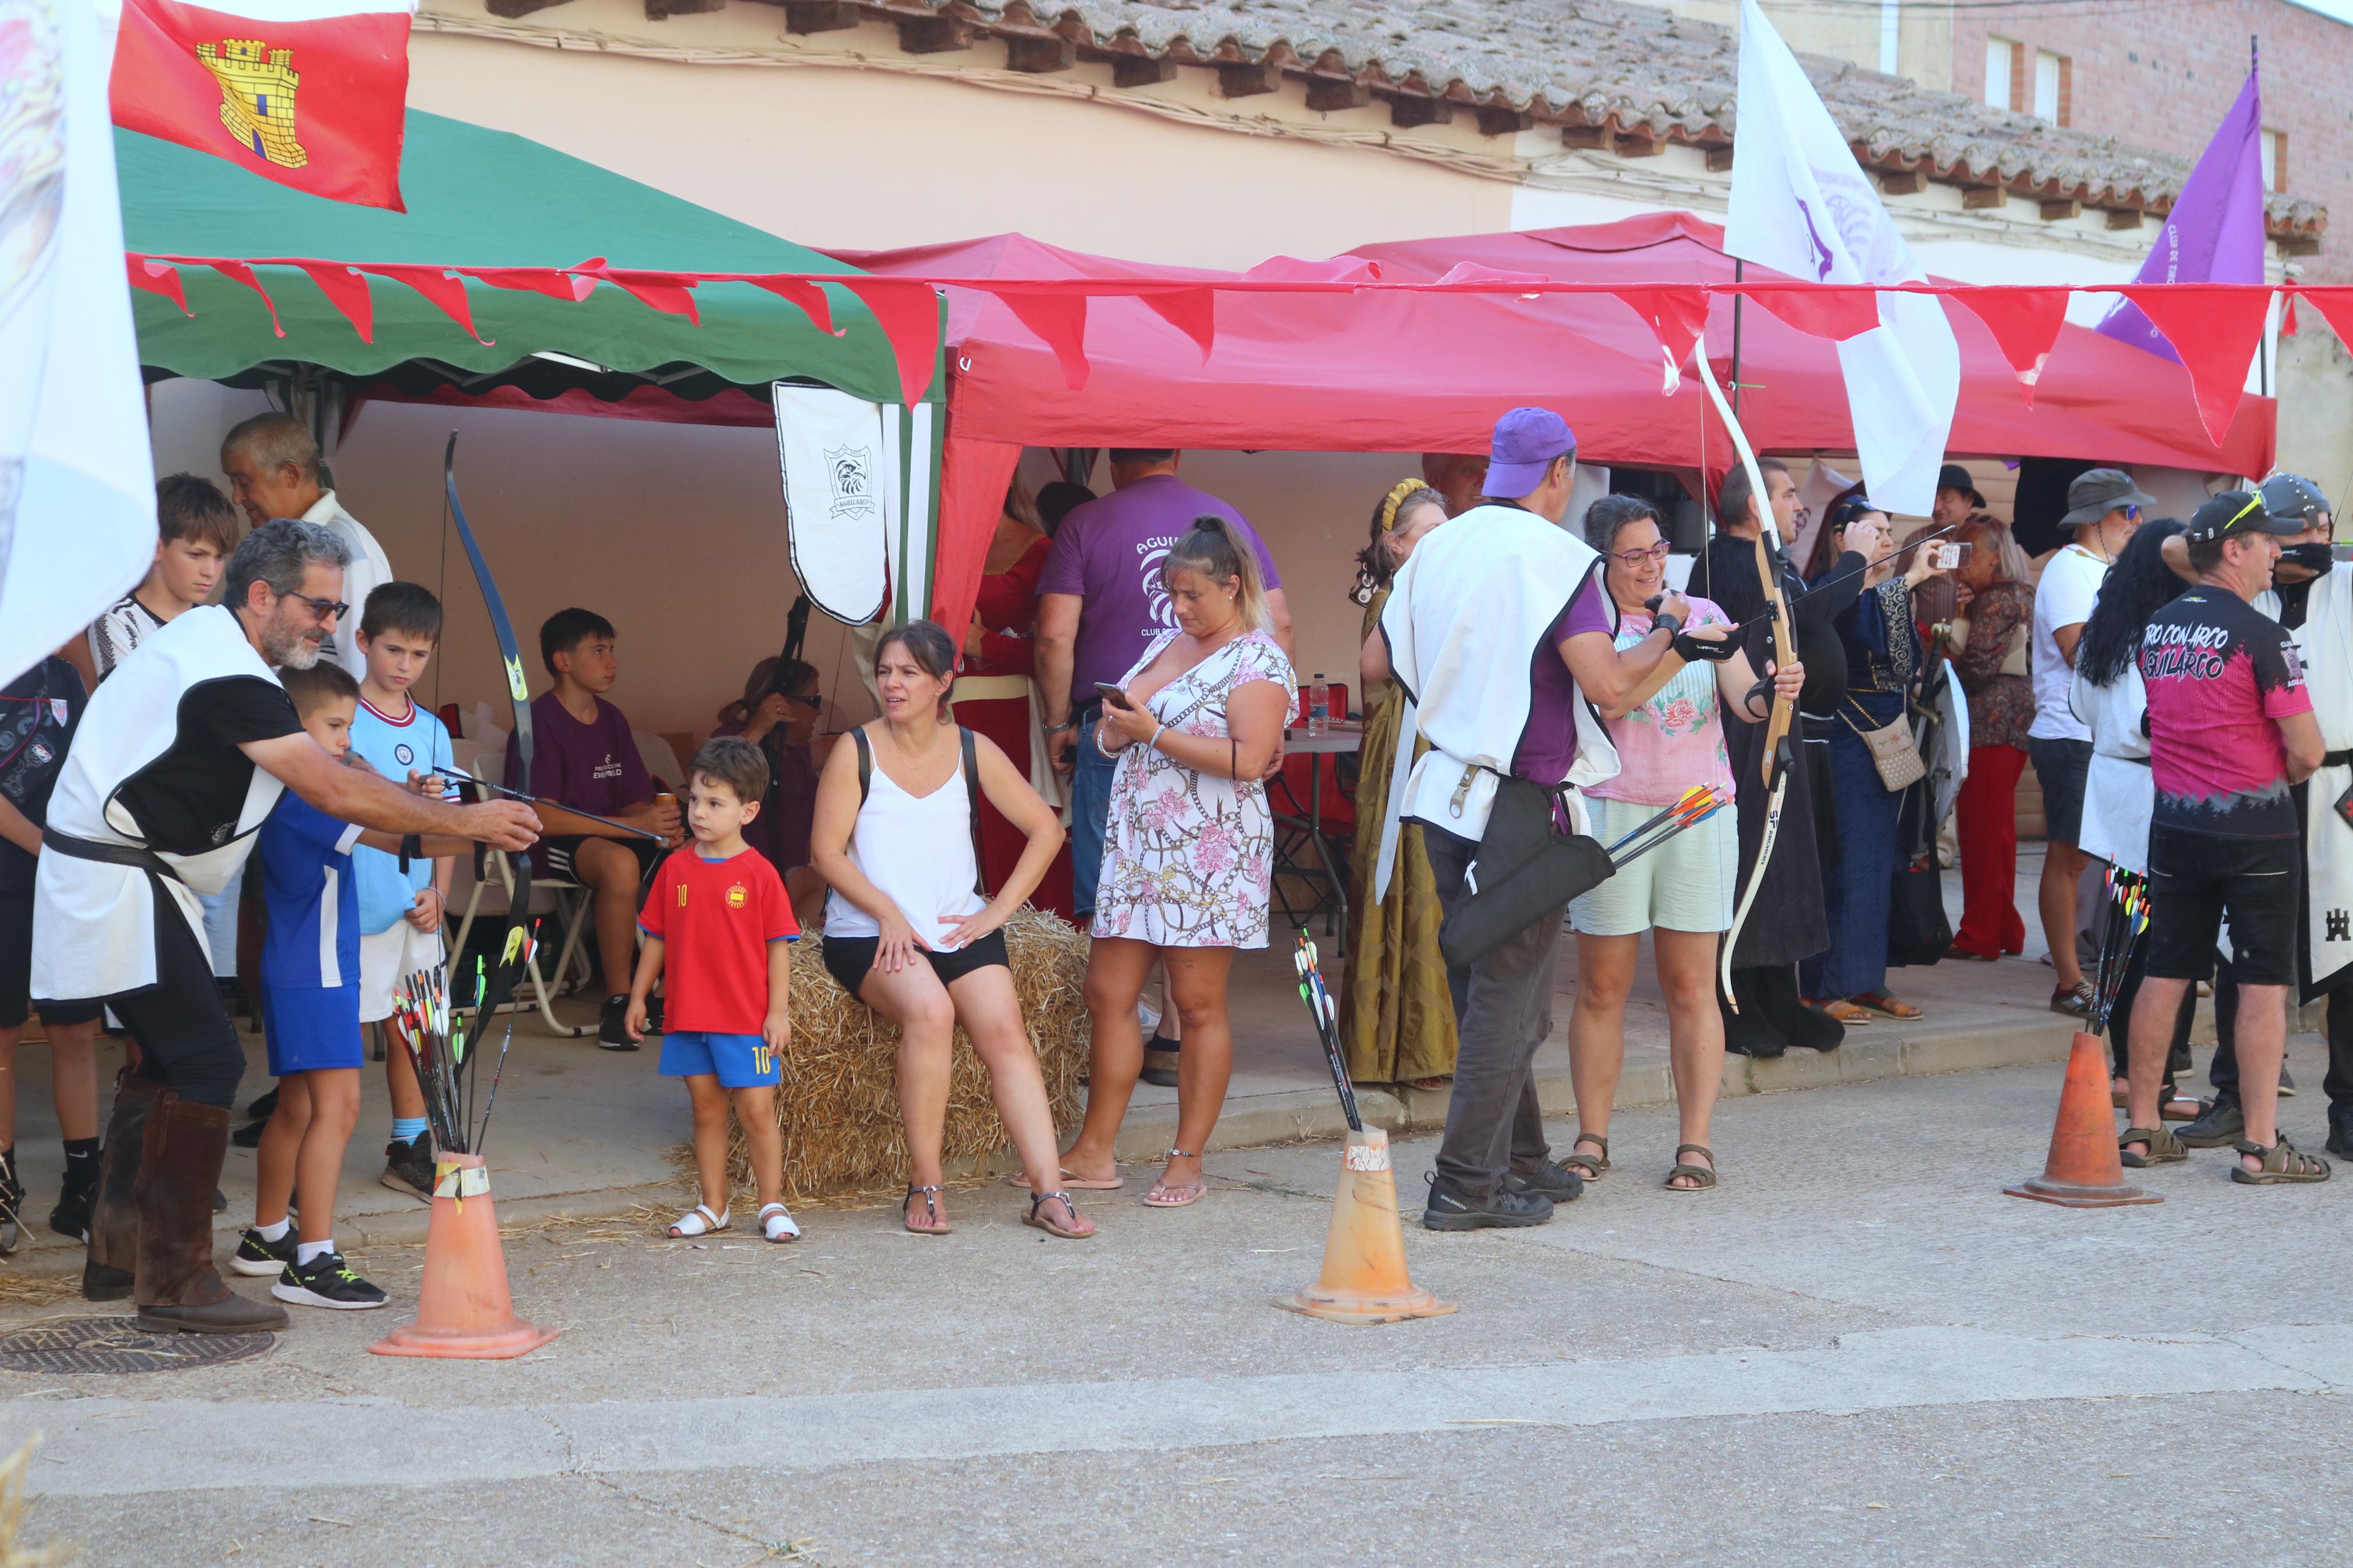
(549, 895)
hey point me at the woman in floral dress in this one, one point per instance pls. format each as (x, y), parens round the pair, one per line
(1189, 854)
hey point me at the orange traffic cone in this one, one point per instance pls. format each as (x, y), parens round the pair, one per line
(2083, 1171)
(1363, 1279)
(463, 1308)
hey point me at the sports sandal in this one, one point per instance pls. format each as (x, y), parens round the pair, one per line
(777, 1223)
(1587, 1166)
(2282, 1164)
(1702, 1176)
(1881, 1001)
(1165, 1196)
(2164, 1148)
(1046, 1222)
(930, 1196)
(698, 1221)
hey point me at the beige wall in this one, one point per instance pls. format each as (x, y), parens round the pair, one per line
(1848, 32)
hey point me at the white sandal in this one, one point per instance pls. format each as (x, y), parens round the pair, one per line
(777, 1223)
(698, 1221)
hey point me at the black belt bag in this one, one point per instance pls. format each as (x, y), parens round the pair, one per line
(1526, 870)
(129, 855)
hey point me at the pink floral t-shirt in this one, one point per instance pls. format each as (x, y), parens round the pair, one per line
(1675, 738)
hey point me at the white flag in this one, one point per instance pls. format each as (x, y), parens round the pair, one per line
(1802, 204)
(77, 482)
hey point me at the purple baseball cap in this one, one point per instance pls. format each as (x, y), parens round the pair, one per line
(1526, 442)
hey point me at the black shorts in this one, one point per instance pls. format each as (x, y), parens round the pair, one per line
(849, 958)
(16, 967)
(557, 861)
(2195, 880)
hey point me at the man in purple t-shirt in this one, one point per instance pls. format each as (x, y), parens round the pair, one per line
(1100, 605)
(585, 756)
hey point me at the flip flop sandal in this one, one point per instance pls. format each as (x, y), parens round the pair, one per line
(930, 1196)
(777, 1223)
(1182, 1194)
(1703, 1177)
(2164, 1148)
(1019, 1182)
(2281, 1164)
(1038, 1217)
(698, 1221)
(1881, 1001)
(1841, 1011)
(1587, 1165)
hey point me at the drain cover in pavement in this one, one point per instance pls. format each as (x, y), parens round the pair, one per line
(118, 1344)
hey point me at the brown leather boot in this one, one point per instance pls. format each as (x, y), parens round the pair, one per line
(178, 1289)
(113, 1258)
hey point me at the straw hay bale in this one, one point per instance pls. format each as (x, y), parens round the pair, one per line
(838, 1101)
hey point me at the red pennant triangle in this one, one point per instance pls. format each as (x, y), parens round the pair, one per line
(436, 284)
(158, 278)
(1834, 313)
(2287, 317)
(2216, 331)
(2025, 325)
(1192, 312)
(347, 291)
(1677, 317)
(668, 292)
(554, 282)
(1059, 317)
(244, 274)
(808, 296)
(909, 314)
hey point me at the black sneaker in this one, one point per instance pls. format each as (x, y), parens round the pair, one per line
(653, 1014)
(1551, 1180)
(2220, 1125)
(1448, 1210)
(613, 1026)
(408, 1166)
(2287, 1085)
(70, 1218)
(257, 1256)
(327, 1282)
(2340, 1130)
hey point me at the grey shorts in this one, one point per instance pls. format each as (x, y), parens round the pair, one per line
(2062, 767)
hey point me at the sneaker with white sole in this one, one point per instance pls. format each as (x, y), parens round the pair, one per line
(326, 1281)
(613, 1026)
(257, 1257)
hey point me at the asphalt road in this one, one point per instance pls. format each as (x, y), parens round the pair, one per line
(1857, 1346)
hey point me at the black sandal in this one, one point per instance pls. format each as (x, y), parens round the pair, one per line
(930, 1196)
(1050, 1225)
(1587, 1165)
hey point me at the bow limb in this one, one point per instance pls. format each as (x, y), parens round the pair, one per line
(502, 979)
(1775, 752)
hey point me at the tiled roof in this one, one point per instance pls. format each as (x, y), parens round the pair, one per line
(1610, 74)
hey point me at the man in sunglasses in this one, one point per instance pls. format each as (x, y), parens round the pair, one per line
(179, 757)
(2103, 508)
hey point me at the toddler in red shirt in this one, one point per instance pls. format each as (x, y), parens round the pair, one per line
(718, 920)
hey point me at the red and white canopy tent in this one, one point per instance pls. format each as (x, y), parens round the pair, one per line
(1337, 362)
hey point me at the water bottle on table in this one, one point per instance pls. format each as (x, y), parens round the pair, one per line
(1319, 705)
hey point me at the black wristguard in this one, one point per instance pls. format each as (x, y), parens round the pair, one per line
(1693, 649)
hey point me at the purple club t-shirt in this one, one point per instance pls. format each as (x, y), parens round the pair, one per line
(1109, 552)
(593, 767)
(1547, 748)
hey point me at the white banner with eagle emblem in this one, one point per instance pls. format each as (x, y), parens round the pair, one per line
(841, 496)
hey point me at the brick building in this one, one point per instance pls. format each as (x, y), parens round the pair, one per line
(2162, 77)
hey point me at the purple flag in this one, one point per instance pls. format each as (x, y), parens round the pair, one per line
(2215, 232)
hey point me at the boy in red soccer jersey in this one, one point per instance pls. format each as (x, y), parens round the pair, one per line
(719, 911)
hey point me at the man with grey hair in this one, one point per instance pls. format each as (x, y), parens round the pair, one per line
(272, 461)
(181, 754)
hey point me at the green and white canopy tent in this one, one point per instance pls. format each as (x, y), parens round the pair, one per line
(321, 300)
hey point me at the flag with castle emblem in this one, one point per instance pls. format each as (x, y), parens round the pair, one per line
(309, 93)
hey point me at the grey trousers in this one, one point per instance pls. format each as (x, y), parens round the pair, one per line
(1502, 1010)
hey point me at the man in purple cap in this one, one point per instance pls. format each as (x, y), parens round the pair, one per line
(1503, 641)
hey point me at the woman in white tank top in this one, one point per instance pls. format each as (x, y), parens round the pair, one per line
(907, 929)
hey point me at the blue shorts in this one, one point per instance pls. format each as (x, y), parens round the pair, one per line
(311, 1028)
(739, 1061)
(1091, 781)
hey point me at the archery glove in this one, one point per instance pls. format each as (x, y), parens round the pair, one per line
(1692, 649)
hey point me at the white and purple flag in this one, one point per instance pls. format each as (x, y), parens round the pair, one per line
(2215, 232)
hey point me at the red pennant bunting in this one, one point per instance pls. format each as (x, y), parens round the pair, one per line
(2216, 331)
(2025, 325)
(1677, 317)
(2287, 317)
(2336, 306)
(554, 282)
(158, 278)
(808, 296)
(1059, 317)
(347, 291)
(909, 315)
(244, 274)
(436, 284)
(1192, 312)
(665, 292)
(1834, 313)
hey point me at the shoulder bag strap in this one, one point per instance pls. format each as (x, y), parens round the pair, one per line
(865, 762)
(972, 804)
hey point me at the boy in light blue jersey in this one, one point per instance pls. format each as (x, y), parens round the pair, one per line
(402, 912)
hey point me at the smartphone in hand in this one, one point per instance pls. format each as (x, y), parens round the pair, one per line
(1113, 695)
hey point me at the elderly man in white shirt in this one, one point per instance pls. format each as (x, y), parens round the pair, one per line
(272, 459)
